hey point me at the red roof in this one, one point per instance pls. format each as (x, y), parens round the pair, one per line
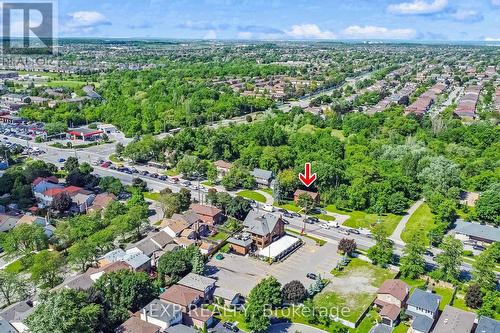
(51, 179)
(205, 210)
(69, 190)
(394, 287)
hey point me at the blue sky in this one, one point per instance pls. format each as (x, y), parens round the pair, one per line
(476, 20)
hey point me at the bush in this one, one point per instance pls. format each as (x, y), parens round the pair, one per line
(468, 253)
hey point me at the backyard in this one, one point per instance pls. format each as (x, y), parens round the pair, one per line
(359, 219)
(422, 221)
(354, 289)
(252, 195)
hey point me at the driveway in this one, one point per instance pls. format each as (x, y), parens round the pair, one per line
(396, 235)
(292, 328)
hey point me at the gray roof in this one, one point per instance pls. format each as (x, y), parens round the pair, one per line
(80, 282)
(196, 281)
(478, 230)
(241, 242)
(5, 327)
(381, 328)
(260, 223)
(422, 323)
(161, 310)
(17, 312)
(136, 260)
(488, 325)
(146, 246)
(115, 255)
(180, 328)
(455, 320)
(424, 300)
(262, 174)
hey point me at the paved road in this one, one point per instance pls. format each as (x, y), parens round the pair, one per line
(396, 235)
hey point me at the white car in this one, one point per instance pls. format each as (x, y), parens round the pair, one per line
(268, 208)
(325, 226)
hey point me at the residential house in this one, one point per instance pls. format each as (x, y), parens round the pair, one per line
(40, 221)
(391, 298)
(153, 246)
(222, 167)
(422, 307)
(314, 196)
(16, 314)
(185, 297)
(265, 228)
(206, 248)
(241, 243)
(181, 329)
(488, 325)
(134, 258)
(381, 328)
(8, 221)
(262, 177)
(46, 198)
(161, 313)
(86, 280)
(209, 214)
(199, 282)
(42, 184)
(101, 201)
(455, 320)
(466, 231)
(199, 317)
(136, 325)
(82, 201)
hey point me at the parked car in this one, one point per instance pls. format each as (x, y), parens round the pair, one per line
(105, 165)
(289, 215)
(354, 231)
(325, 226)
(313, 218)
(308, 221)
(174, 180)
(61, 160)
(344, 231)
(479, 248)
(230, 326)
(185, 183)
(268, 208)
(162, 177)
(312, 276)
(282, 210)
(296, 214)
(286, 222)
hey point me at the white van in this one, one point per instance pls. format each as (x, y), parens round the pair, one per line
(268, 208)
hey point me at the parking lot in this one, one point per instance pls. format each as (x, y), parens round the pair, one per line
(240, 274)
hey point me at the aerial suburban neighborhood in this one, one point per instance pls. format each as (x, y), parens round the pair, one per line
(260, 177)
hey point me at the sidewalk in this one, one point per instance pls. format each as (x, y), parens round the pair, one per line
(396, 235)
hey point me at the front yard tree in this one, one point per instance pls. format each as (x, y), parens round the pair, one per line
(294, 292)
(46, 267)
(483, 272)
(490, 306)
(184, 199)
(24, 239)
(82, 254)
(123, 291)
(238, 208)
(265, 295)
(474, 296)
(61, 202)
(450, 259)
(381, 253)
(174, 265)
(66, 310)
(12, 287)
(412, 264)
(305, 202)
(347, 246)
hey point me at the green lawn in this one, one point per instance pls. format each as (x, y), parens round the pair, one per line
(401, 328)
(422, 221)
(115, 159)
(219, 236)
(267, 190)
(230, 315)
(72, 84)
(367, 323)
(171, 172)
(359, 219)
(324, 217)
(252, 195)
(15, 267)
(290, 206)
(377, 274)
(151, 195)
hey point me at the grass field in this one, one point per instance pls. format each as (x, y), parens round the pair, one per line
(359, 219)
(290, 206)
(72, 84)
(347, 291)
(252, 195)
(219, 236)
(15, 267)
(151, 195)
(422, 221)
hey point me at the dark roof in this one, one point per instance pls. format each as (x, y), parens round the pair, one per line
(262, 174)
(136, 325)
(180, 328)
(260, 223)
(313, 195)
(478, 230)
(17, 312)
(455, 320)
(488, 325)
(421, 323)
(424, 300)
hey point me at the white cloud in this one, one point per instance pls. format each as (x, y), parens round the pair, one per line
(83, 22)
(309, 31)
(211, 34)
(492, 39)
(245, 35)
(373, 32)
(467, 15)
(85, 19)
(417, 7)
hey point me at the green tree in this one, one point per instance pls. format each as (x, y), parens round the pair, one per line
(12, 287)
(294, 292)
(111, 185)
(71, 164)
(82, 253)
(61, 202)
(381, 253)
(24, 239)
(412, 264)
(491, 304)
(46, 268)
(305, 202)
(174, 265)
(474, 296)
(65, 311)
(483, 272)
(488, 205)
(450, 259)
(287, 181)
(124, 291)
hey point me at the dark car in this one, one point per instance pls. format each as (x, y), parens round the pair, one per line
(354, 231)
(311, 276)
(230, 326)
(314, 219)
(479, 248)
(296, 214)
(308, 221)
(429, 253)
(162, 177)
(282, 210)
(289, 215)
(286, 222)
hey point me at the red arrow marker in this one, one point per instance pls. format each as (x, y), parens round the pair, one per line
(307, 179)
